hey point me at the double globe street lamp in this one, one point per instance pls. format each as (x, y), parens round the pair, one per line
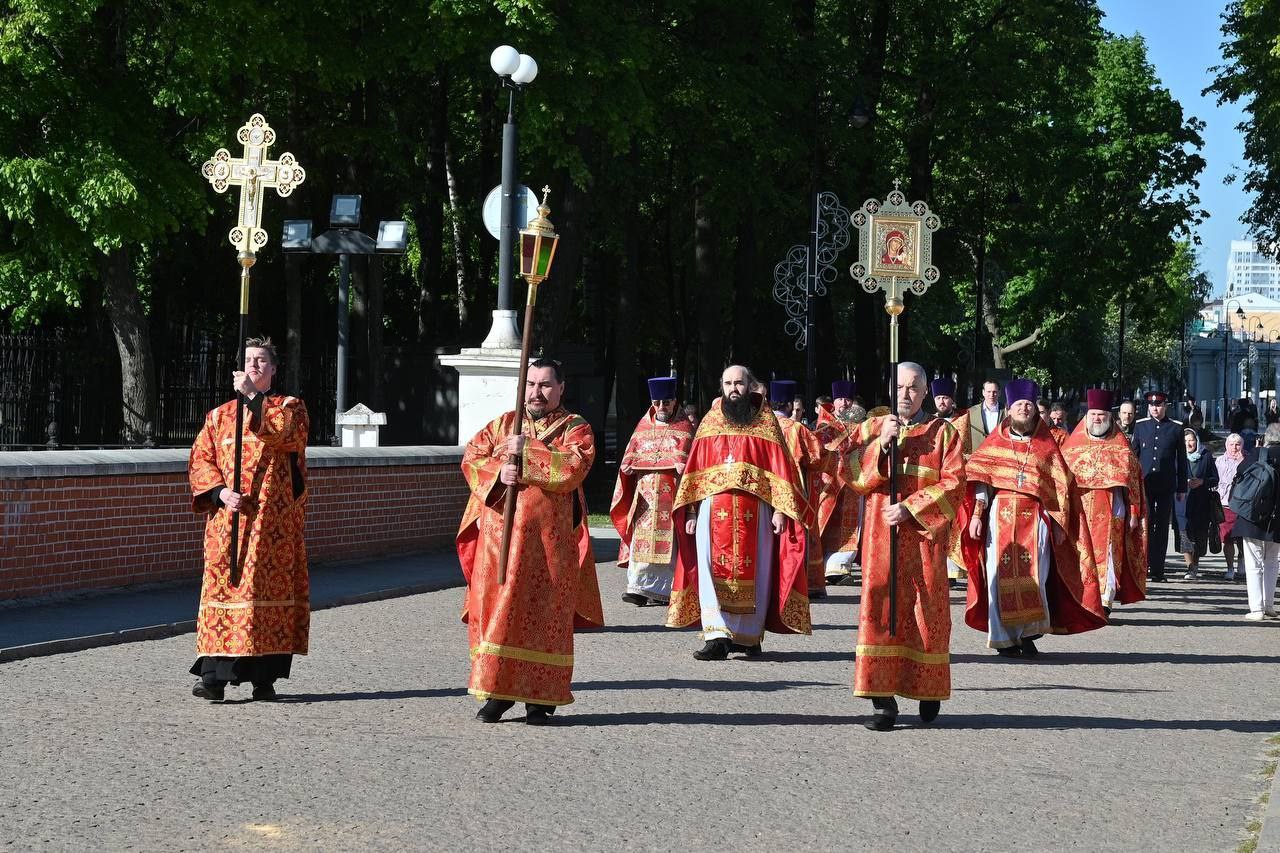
(515, 70)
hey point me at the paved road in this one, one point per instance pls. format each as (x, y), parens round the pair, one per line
(1149, 734)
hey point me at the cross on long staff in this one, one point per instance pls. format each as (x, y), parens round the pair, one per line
(895, 254)
(253, 173)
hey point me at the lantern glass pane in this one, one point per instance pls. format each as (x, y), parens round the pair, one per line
(528, 251)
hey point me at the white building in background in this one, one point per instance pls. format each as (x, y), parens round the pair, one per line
(1250, 271)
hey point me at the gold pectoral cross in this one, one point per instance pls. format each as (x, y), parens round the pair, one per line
(253, 173)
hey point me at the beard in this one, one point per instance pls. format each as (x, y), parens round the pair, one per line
(739, 411)
(662, 417)
(1025, 426)
(948, 412)
(1100, 430)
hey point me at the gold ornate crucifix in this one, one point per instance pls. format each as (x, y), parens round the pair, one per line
(253, 173)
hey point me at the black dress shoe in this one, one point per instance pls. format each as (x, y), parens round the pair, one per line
(212, 692)
(1010, 652)
(1106, 610)
(658, 602)
(264, 693)
(492, 711)
(885, 716)
(750, 651)
(538, 715)
(717, 649)
(929, 709)
(635, 598)
(1029, 649)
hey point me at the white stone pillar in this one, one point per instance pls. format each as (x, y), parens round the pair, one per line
(487, 378)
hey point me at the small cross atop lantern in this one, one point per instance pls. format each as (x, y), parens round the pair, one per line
(538, 244)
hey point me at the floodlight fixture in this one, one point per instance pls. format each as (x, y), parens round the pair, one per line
(344, 211)
(393, 236)
(297, 235)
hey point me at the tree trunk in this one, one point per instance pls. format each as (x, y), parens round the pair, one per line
(709, 299)
(626, 369)
(428, 213)
(456, 218)
(133, 343)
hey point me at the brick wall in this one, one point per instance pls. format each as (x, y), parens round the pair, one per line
(75, 521)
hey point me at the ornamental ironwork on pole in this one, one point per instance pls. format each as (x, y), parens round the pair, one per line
(805, 273)
(895, 254)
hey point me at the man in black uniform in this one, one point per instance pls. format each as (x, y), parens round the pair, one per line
(1159, 446)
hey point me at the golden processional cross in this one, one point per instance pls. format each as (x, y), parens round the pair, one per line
(895, 254)
(253, 173)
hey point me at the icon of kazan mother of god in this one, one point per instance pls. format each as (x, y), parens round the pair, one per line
(895, 252)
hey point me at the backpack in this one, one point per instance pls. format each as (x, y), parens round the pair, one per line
(1253, 493)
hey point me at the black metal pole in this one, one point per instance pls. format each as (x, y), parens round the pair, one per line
(893, 499)
(1120, 357)
(344, 331)
(507, 229)
(811, 285)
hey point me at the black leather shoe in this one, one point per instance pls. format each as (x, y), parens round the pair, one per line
(1107, 611)
(750, 651)
(635, 598)
(1029, 649)
(212, 692)
(492, 711)
(264, 693)
(929, 710)
(885, 716)
(717, 649)
(538, 715)
(1010, 652)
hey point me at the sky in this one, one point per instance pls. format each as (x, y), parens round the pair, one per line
(1184, 39)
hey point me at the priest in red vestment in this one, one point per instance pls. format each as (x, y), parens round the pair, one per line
(814, 463)
(943, 390)
(521, 632)
(741, 492)
(1027, 549)
(840, 509)
(644, 495)
(1115, 505)
(915, 661)
(250, 631)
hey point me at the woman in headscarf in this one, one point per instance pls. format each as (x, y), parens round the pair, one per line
(1229, 464)
(1193, 511)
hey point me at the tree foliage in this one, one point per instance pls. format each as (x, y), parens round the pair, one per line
(682, 144)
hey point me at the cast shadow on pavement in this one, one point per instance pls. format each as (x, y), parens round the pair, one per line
(806, 656)
(1053, 658)
(701, 684)
(1138, 622)
(307, 698)
(958, 721)
(1121, 690)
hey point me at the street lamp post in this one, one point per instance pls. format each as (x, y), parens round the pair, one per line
(1226, 351)
(515, 70)
(344, 239)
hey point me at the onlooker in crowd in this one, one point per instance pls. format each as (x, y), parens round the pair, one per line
(691, 412)
(1229, 464)
(1273, 411)
(1126, 416)
(1193, 512)
(1262, 542)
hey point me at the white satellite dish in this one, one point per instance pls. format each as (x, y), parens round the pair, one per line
(524, 213)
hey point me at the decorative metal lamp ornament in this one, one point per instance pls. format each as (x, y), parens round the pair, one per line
(895, 254)
(537, 250)
(253, 173)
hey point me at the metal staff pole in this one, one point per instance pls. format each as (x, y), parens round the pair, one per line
(247, 260)
(894, 306)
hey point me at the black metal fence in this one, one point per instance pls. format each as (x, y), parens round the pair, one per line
(62, 389)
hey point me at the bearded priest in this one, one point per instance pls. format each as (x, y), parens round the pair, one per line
(641, 509)
(1115, 505)
(1028, 552)
(741, 491)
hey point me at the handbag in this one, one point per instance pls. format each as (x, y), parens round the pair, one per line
(1215, 508)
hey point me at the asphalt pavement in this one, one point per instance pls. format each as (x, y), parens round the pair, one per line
(1150, 734)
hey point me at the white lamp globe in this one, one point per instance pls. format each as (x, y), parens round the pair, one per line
(526, 71)
(504, 60)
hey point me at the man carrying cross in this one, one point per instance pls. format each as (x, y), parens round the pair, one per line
(252, 621)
